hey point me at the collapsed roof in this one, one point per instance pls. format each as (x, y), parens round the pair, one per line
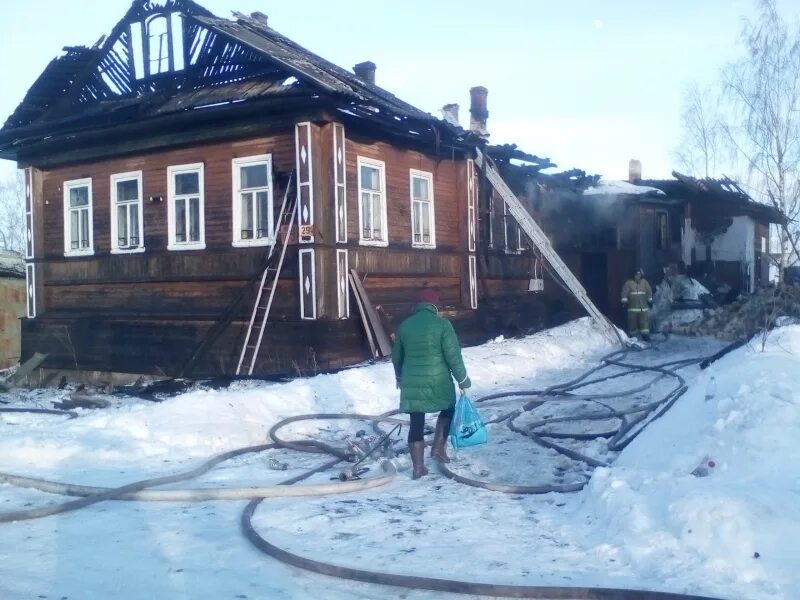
(173, 58)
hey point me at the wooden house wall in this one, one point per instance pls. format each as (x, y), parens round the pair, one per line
(393, 274)
(145, 312)
(158, 282)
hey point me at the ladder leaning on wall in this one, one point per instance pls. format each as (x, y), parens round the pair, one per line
(266, 288)
(542, 243)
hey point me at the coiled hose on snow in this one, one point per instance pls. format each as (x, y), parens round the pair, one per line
(142, 490)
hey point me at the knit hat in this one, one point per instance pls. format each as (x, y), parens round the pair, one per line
(428, 295)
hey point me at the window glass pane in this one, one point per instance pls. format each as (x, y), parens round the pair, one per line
(194, 219)
(84, 228)
(79, 196)
(73, 229)
(377, 216)
(366, 215)
(425, 218)
(254, 176)
(122, 225)
(127, 190)
(180, 220)
(420, 188)
(133, 233)
(187, 183)
(262, 214)
(415, 220)
(247, 216)
(370, 178)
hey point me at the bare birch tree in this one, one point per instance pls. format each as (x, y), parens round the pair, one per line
(700, 145)
(763, 90)
(12, 213)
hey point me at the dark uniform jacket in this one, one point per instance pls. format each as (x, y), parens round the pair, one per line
(636, 295)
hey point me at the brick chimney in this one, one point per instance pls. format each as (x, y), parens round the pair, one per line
(478, 113)
(365, 71)
(260, 17)
(635, 171)
(450, 113)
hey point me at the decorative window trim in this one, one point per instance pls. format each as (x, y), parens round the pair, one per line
(304, 159)
(340, 182)
(381, 166)
(507, 216)
(471, 203)
(30, 290)
(342, 270)
(491, 219)
(29, 237)
(428, 176)
(171, 172)
(473, 282)
(116, 178)
(308, 312)
(236, 165)
(68, 250)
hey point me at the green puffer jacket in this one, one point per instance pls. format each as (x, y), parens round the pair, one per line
(426, 352)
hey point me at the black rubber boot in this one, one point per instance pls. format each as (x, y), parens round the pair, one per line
(439, 447)
(417, 451)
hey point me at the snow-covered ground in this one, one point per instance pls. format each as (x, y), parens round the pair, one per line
(643, 522)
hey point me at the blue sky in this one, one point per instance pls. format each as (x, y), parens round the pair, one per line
(589, 84)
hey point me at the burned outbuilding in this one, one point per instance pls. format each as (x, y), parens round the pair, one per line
(605, 230)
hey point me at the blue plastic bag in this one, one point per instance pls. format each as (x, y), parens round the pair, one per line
(468, 429)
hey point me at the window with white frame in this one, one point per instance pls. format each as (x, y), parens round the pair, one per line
(156, 44)
(252, 201)
(185, 210)
(126, 212)
(423, 230)
(78, 235)
(372, 202)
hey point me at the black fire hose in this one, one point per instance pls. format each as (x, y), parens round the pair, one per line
(444, 585)
(140, 490)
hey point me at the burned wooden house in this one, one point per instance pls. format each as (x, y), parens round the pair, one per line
(605, 230)
(199, 189)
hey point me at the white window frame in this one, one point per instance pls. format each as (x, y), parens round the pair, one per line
(236, 165)
(68, 250)
(115, 179)
(381, 166)
(428, 176)
(171, 172)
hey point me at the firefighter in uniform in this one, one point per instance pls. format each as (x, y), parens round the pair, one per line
(637, 297)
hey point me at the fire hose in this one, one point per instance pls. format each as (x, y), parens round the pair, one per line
(620, 437)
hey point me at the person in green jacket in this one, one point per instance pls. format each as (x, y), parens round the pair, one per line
(427, 357)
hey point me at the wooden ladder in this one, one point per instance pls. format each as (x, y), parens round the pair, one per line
(266, 289)
(540, 240)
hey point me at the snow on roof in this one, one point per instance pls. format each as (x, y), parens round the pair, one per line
(613, 187)
(12, 264)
